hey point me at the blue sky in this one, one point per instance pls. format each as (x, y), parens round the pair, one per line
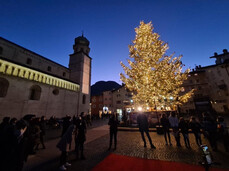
(192, 28)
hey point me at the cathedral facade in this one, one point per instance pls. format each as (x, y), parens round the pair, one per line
(33, 84)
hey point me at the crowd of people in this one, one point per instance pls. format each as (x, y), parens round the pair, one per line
(76, 126)
(23, 137)
(20, 138)
(213, 129)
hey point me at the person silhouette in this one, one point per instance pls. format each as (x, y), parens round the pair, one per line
(144, 127)
(165, 125)
(113, 122)
(80, 137)
(174, 123)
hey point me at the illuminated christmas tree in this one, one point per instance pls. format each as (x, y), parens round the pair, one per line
(154, 78)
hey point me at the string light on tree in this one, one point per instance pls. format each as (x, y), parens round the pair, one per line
(154, 78)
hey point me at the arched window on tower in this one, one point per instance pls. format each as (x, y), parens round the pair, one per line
(84, 99)
(35, 92)
(4, 84)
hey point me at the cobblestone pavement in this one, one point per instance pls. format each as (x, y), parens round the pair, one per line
(130, 144)
(48, 159)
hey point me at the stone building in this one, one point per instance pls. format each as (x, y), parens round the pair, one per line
(102, 97)
(107, 102)
(96, 105)
(122, 100)
(33, 84)
(211, 86)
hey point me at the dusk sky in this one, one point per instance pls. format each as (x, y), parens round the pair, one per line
(192, 28)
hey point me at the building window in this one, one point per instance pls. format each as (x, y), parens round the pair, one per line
(29, 61)
(4, 84)
(1, 50)
(64, 74)
(84, 99)
(55, 92)
(49, 68)
(118, 102)
(94, 106)
(35, 92)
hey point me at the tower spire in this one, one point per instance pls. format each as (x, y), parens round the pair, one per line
(82, 33)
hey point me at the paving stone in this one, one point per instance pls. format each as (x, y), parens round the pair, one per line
(131, 144)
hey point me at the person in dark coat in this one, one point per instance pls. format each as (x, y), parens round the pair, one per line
(88, 120)
(19, 146)
(64, 145)
(113, 122)
(5, 123)
(195, 127)
(183, 125)
(66, 124)
(15, 147)
(29, 135)
(80, 136)
(210, 129)
(3, 130)
(174, 122)
(5, 142)
(43, 130)
(223, 132)
(165, 126)
(144, 127)
(36, 132)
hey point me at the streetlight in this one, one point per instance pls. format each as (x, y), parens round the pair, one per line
(139, 108)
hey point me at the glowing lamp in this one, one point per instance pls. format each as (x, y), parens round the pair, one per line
(139, 108)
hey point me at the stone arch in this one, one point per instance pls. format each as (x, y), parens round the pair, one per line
(4, 85)
(35, 92)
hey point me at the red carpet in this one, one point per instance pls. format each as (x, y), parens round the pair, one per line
(124, 163)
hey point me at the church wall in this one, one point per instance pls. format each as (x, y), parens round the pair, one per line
(23, 69)
(20, 55)
(17, 101)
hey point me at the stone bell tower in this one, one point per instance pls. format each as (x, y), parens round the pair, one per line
(80, 72)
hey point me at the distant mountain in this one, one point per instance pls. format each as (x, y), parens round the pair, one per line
(101, 86)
